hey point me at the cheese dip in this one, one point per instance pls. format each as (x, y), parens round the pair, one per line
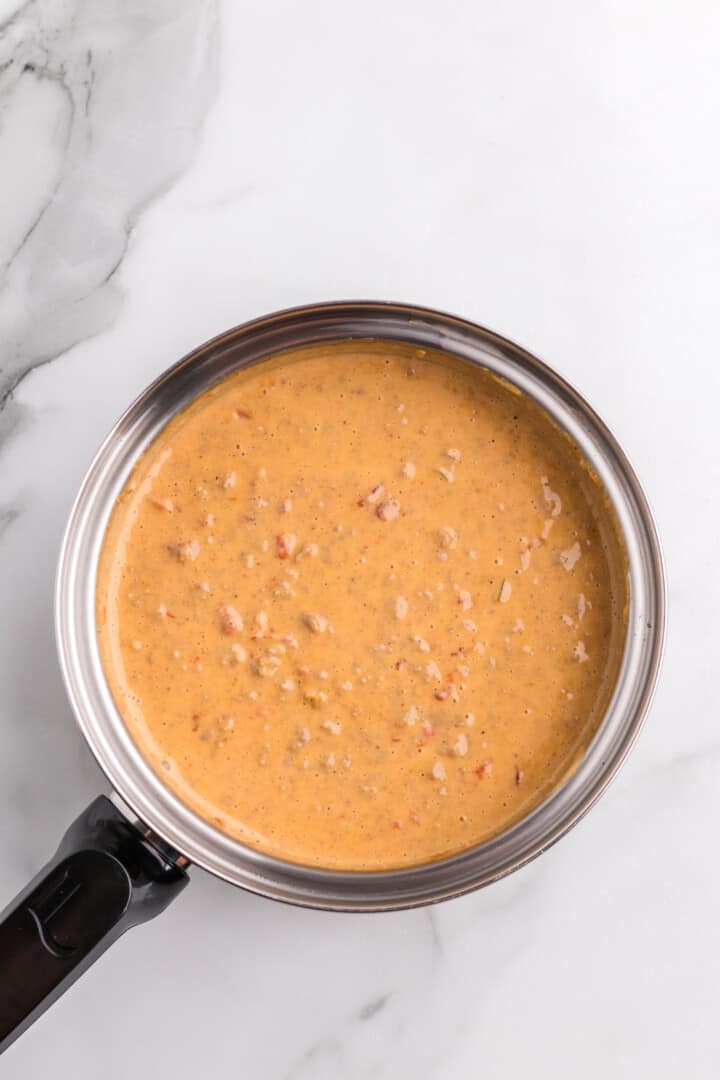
(362, 606)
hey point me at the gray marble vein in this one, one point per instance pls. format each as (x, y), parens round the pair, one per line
(8, 514)
(100, 109)
(373, 1007)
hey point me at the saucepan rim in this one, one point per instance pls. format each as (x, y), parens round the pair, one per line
(159, 808)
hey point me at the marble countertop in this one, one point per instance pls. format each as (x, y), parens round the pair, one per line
(170, 168)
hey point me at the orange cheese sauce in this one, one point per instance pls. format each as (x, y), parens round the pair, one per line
(362, 606)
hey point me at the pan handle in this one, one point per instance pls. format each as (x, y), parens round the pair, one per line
(105, 877)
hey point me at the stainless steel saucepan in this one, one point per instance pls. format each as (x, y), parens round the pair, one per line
(128, 854)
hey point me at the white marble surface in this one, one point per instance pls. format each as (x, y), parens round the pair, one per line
(168, 169)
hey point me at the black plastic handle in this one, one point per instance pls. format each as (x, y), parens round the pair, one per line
(104, 878)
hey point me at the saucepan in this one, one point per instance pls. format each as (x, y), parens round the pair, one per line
(128, 854)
